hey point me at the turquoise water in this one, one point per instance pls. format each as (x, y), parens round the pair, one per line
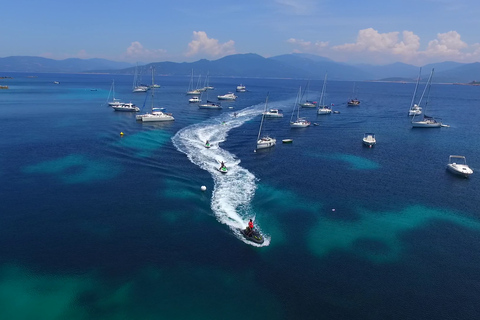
(99, 225)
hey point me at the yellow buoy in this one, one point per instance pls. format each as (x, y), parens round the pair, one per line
(121, 133)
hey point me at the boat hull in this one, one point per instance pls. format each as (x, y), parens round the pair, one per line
(426, 124)
(265, 143)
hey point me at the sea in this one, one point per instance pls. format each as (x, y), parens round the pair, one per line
(104, 217)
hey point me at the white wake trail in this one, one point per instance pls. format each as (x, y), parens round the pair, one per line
(233, 191)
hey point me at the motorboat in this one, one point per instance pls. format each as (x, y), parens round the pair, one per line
(458, 165)
(369, 139)
(210, 105)
(252, 235)
(353, 102)
(194, 99)
(228, 96)
(287, 140)
(128, 107)
(241, 88)
(273, 113)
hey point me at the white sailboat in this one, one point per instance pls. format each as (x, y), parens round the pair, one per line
(322, 106)
(115, 101)
(191, 90)
(137, 86)
(415, 109)
(307, 103)
(299, 122)
(353, 102)
(156, 114)
(210, 104)
(426, 122)
(265, 141)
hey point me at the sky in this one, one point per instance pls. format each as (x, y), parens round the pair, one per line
(377, 32)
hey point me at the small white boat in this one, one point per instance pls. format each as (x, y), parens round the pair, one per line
(128, 107)
(228, 96)
(265, 141)
(299, 122)
(308, 104)
(155, 116)
(194, 92)
(324, 110)
(210, 105)
(287, 140)
(415, 110)
(458, 165)
(194, 99)
(56, 82)
(273, 113)
(140, 88)
(426, 122)
(241, 88)
(369, 139)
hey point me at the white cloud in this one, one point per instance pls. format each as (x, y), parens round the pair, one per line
(136, 51)
(447, 45)
(372, 46)
(202, 44)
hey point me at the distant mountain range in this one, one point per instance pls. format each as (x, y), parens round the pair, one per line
(296, 65)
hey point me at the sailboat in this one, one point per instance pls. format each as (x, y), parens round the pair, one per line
(210, 104)
(265, 141)
(193, 91)
(426, 122)
(415, 109)
(353, 102)
(137, 87)
(299, 122)
(307, 103)
(156, 114)
(114, 102)
(322, 107)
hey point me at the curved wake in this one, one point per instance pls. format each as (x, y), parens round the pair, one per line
(233, 191)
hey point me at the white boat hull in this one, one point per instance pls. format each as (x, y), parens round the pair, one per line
(426, 124)
(209, 106)
(460, 169)
(155, 117)
(324, 111)
(266, 142)
(299, 124)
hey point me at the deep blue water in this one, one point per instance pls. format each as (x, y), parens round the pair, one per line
(95, 225)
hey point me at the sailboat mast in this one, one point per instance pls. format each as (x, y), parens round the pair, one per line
(153, 87)
(416, 87)
(296, 103)
(263, 117)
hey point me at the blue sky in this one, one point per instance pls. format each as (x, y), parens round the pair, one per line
(370, 31)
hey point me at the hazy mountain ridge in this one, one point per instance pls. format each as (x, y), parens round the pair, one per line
(296, 65)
